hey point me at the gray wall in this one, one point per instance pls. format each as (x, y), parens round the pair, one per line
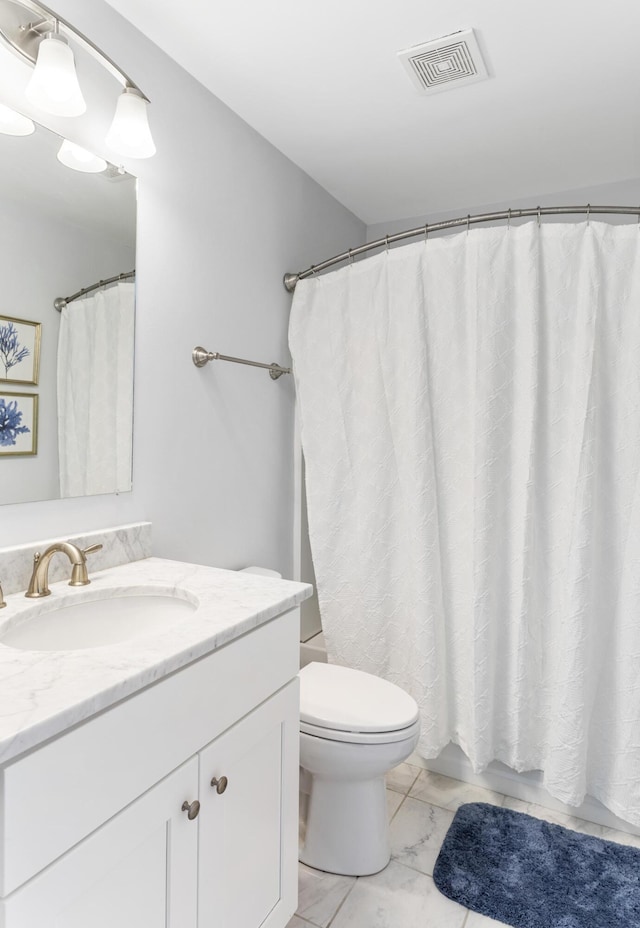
(222, 215)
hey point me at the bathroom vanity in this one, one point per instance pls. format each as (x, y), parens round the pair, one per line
(153, 781)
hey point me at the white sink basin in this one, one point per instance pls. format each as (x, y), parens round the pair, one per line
(95, 623)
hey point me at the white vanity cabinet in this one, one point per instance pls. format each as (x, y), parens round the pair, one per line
(93, 829)
(137, 871)
(248, 833)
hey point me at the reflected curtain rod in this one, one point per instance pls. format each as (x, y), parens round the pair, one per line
(290, 280)
(62, 301)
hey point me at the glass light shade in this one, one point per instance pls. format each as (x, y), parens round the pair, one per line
(79, 159)
(129, 133)
(54, 85)
(12, 123)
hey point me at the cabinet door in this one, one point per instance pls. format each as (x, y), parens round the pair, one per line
(248, 834)
(139, 869)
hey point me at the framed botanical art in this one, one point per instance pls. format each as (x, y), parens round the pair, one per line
(19, 351)
(18, 423)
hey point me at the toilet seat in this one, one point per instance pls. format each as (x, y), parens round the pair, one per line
(343, 704)
(358, 737)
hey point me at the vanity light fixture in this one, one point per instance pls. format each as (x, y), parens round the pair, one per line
(54, 85)
(79, 159)
(129, 133)
(12, 123)
(43, 39)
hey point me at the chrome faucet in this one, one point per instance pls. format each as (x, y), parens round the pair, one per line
(39, 583)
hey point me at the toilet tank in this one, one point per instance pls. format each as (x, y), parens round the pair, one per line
(312, 650)
(262, 572)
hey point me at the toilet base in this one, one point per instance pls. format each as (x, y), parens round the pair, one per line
(357, 843)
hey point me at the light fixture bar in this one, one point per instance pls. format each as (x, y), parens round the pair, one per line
(23, 35)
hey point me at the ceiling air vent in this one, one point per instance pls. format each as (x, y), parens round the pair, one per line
(442, 64)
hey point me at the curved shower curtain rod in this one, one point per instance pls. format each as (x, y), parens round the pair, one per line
(290, 280)
(62, 301)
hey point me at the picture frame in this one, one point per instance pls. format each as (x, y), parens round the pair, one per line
(19, 351)
(18, 424)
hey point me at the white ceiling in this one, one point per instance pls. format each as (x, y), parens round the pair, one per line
(321, 81)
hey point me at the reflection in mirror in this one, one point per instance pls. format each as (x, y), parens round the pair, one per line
(63, 230)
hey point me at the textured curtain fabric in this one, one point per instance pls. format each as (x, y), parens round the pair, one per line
(95, 392)
(470, 414)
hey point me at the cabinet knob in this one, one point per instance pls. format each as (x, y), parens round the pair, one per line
(191, 808)
(220, 784)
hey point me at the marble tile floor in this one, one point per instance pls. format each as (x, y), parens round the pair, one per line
(421, 807)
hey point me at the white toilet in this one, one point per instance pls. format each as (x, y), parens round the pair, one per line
(354, 727)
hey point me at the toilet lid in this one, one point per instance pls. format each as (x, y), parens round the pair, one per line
(344, 699)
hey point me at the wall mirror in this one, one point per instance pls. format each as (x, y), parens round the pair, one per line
(66, 378)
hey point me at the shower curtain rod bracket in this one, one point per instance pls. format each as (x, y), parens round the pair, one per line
(290, 281)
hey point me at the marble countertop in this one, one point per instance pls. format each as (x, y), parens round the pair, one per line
(43, 693)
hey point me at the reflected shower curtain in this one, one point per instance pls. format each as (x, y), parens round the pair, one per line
(95, 392)
(470, 415)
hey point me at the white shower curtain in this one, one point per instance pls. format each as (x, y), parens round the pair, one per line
(95, 392)
(470, 414)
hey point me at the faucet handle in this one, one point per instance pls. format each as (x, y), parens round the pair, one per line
(79, 576)
(91, 549)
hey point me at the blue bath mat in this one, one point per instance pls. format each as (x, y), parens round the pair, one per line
(530, 874)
